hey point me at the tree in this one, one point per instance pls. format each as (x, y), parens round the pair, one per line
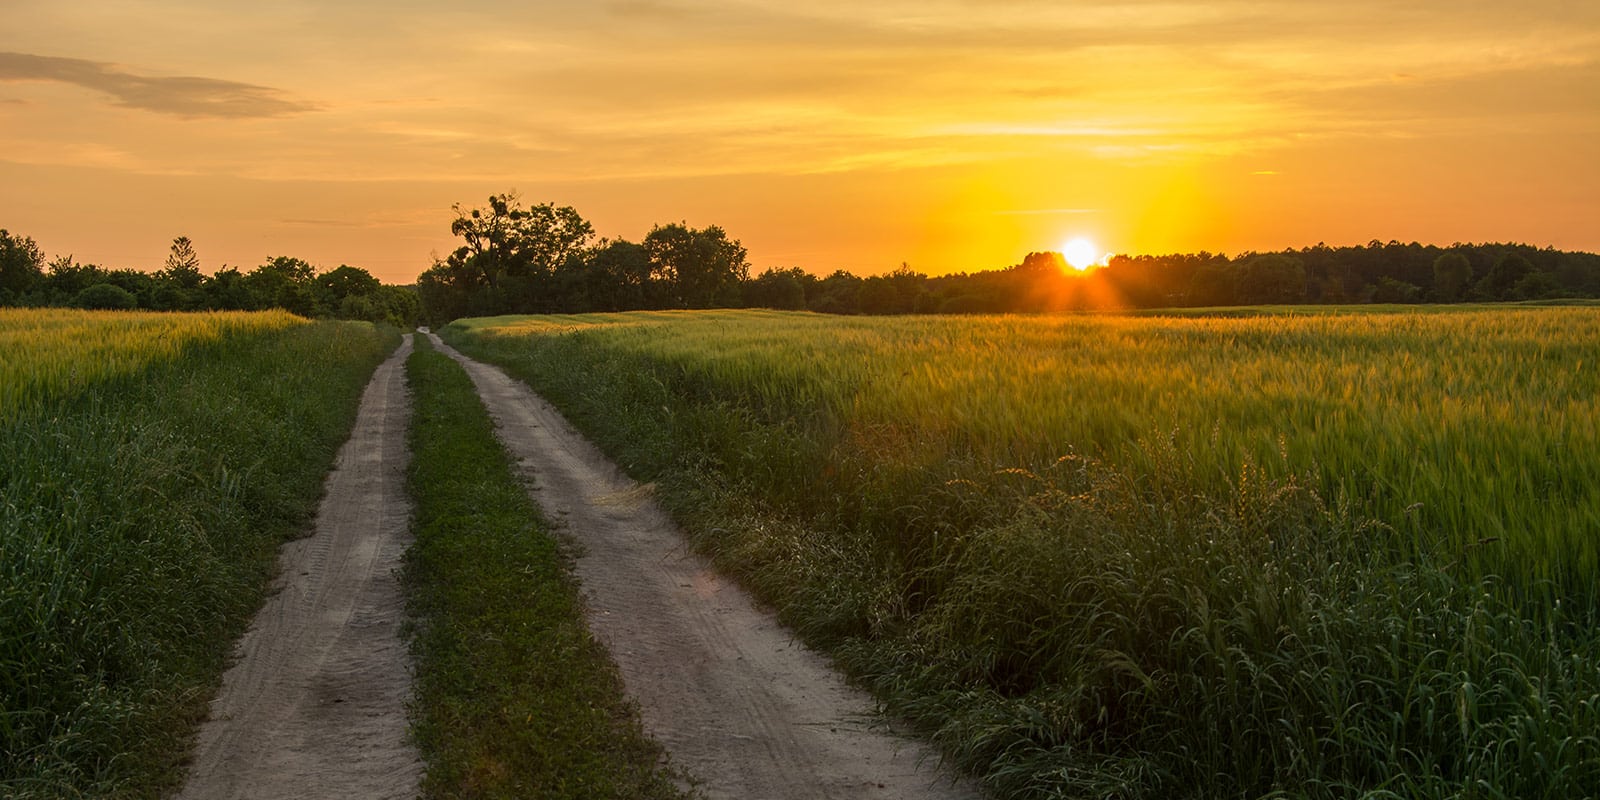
(178, 283)
(1213, 284)
(21, 264)
(1272, 278)
(285, 283)
(343, 282)
(1391, 290)
(513, 253)
(183, 265)
(106, 297)
(1508, 269)
(1537, 285)
(777, 288)
(228, 290)
(619, 277)
(703, 268)
(1452, 272)
(839, 293)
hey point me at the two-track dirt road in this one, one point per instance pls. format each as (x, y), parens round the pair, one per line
(740, 704)
(315, 706)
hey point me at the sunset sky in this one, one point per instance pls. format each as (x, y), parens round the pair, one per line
(831, 134)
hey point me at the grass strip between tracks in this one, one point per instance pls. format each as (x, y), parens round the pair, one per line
(514, 698)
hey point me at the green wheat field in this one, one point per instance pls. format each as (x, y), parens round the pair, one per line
(1296, 553)
(1309, 553)
(150, 465)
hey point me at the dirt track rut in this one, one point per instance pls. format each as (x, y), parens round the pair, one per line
(315, 705)
(740, 704)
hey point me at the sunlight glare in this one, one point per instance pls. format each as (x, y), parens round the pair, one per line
(1080, 253)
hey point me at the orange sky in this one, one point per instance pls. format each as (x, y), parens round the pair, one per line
(950, 134)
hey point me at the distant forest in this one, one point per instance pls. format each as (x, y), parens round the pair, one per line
(344, 292)
(546, 259)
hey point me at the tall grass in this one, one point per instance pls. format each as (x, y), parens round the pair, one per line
(51, 354)
(1306, 555)
(145, 481)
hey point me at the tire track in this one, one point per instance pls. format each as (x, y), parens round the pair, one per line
(315, 704)
(742, 706)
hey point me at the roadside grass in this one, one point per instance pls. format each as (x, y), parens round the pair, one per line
(1145, 558)
(513, 697)
(141, 508)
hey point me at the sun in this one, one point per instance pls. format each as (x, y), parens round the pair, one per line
(1080, 253)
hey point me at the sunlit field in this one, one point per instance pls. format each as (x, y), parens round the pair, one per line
(50, 354)
(149, 466)
(1310, 552)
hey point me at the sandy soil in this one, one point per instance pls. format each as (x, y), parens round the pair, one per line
(315, 705)
(741, 706)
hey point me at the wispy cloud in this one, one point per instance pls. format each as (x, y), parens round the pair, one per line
(189, 97)
(1046, 211)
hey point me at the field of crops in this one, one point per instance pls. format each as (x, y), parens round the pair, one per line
(52, 354)
(150, 464)
(1313, 553)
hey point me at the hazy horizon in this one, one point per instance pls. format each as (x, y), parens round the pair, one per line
(941, 134)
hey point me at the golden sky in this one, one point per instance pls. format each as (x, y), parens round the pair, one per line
(830, 134)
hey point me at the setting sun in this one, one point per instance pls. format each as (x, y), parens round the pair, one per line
(1080, 253)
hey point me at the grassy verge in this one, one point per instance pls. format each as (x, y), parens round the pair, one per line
(140, 515)
(514, 699)
(1147, 608)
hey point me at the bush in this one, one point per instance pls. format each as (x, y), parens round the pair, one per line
(106, 297)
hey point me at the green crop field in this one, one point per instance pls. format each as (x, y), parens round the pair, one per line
(51, 354)
(150, 464)
(1307, 553)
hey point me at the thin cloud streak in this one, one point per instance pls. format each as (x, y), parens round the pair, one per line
(1046, 211)
(187, 97)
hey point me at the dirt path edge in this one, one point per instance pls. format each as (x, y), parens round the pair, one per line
(738, 702)
(315, 704)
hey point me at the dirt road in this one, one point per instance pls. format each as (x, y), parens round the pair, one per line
(315, 706)
(743, 707)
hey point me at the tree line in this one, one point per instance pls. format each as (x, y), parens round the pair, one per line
(344, 292)
(547, 259)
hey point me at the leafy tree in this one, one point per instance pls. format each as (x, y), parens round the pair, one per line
(1452, 272)
(621, 277)
(106, 296)
(1390, 290)
(1508, 269)
(782, 289)
(877, 296)
(1537, 285)
(702, 268)
(1272, 278)
(446, 293)
(283, 282)
(228, 290)
(343, 282)
(400, 305)
(1212, 285)
(513, 253)
(21, 264)
(66, 278)
(839, 293)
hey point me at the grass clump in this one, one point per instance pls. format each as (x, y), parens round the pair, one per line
(1113, 557)
(514, 698)
(140, 511)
